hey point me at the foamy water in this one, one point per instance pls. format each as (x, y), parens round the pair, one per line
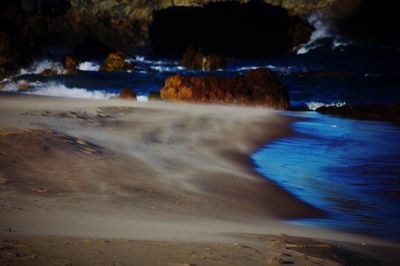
(58, 90)
(39, 66)
(89, 66)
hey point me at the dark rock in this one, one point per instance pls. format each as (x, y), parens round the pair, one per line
(256, 87)
(116, 62)
(388, 113)
(195, 59)
(49, 72)
(71, 65)
(127, 94)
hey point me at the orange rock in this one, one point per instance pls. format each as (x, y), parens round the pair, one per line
(127, 94)
(257, 87)
(24, 86)
(116, 62)
(71, 65)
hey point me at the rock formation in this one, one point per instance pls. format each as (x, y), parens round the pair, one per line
(116, 62)
(127, 94)
(71, 65)
(256, 87)
(195, 59)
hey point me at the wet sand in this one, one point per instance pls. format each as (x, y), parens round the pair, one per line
(170, 181)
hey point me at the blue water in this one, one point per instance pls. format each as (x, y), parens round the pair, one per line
(350, 169)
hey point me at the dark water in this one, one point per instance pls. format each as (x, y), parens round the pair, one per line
(350, 169)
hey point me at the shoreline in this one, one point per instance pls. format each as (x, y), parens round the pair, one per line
(192, 183)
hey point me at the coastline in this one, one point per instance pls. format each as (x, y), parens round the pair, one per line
(194, 180)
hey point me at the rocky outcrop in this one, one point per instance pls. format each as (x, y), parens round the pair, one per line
(116, 62)
(71, 65)
(127, 94)
(195, 59)
(389, 113)
(256, 87)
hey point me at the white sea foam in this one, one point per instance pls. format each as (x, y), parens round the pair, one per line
(60, 90)
(39, 66)
(323, 30)
(315, 105)
(142, 98)
(167, 68)
(89, 66)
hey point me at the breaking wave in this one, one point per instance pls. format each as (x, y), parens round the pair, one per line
(323, 30)
(39, 66)
(55, 90)
(315, 105)
(89, 66)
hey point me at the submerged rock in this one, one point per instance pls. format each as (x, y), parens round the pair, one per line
(256, 87)
(195, 59)
(127, 94)
(389, 113)
(116, 62)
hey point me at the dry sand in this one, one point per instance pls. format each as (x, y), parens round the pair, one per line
(102, 182)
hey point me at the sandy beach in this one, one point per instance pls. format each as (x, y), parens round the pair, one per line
(113, 182)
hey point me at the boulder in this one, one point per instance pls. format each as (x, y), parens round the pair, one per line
(116, 62)
(256, 87)
(127, 94)
(388, 113)
(196, 59)
(49, 72)
(24, 86)
(71, 65)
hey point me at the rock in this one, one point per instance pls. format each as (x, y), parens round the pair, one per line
(116, 62)
(24, 86)
(71, 65)
(49, 72)
(256, 87)
(127, 94)
(388, 113)
(195, 59)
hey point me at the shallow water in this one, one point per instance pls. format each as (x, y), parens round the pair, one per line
(350, 169)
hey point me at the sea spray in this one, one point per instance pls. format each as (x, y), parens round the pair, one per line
(60, 90)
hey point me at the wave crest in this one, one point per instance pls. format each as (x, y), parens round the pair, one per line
(315, 105)
(39, 66)
(89, 66)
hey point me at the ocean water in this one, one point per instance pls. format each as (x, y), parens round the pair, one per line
(348, 168)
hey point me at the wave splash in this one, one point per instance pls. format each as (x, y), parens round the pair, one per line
(55, 89)
(315, 105)
(323, 30)
(89, 66)
(39, 66)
